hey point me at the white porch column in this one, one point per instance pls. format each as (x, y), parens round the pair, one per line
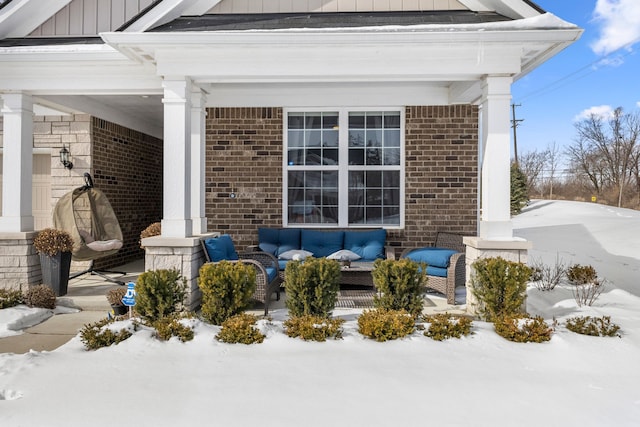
(495, 220)
(198, 143)
(176, 206)
(17, 214)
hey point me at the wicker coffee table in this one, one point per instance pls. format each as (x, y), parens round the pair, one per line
(358, 273)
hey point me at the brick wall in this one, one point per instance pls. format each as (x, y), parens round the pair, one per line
(441, 173)
(127, 167)
(244, 158)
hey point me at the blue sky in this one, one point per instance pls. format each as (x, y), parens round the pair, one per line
(598, 73)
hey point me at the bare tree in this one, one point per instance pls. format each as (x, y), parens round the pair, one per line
(605, 150)
(531, 164)
(553, 161)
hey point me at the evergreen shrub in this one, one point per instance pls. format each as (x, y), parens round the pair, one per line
(400, 284)
(523, 328)
(240, 329)
(314, 328)
(10, 297)
(97, 335)
(312, 286)
(226, 288)
(499, 286)
(383, 325)
(581, 274)
(159, 293)
(519, 191)
(593, 326)
(41, 296)
(443, 326)
(170, 326)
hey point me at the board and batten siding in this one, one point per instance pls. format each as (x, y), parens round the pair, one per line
(291, 6)
(90, 17)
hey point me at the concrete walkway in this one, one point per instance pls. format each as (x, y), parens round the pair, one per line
(87, 294)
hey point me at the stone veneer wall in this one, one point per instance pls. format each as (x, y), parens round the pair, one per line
(127, 167)
(244, 157)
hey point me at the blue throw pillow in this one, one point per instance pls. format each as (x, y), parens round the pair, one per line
(368, 244)
(221, 248)
(321, 243)
(434, 257)
(278, 240)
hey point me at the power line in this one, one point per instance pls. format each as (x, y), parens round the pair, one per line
(557, 84)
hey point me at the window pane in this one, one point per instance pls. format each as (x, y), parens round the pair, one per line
(356, 120)
(374, 120)
(296, 157)
(314, 157)
(392, 138)
(313, 121)
(330, 138)
(392, 120)
(374, 156)
(356, 157)
(356, 138)
(330, 121)
(374, 179)
(296, 121)
(313, 197)
(296, 138)
(312, 138)
(374, 138)
(392, 156)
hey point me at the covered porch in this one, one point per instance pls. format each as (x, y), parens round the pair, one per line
(450, 90)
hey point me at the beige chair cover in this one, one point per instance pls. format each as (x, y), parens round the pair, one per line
(86, 214)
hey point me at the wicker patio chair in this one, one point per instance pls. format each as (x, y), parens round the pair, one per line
(266, 266)
(456, 269)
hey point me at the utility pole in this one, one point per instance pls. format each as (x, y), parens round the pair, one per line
(514, 125)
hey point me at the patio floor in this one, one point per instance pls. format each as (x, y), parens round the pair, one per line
(88, 292)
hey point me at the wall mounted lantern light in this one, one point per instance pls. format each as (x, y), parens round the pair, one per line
(64, 158)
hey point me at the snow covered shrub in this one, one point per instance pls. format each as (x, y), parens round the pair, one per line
(98, 334)
(594, 326)
(400, 284)
(523, 328)
(586, 285)
(10, 297)
(240, 329)
(312, 286)
(41, 296)
(445, 325)
(383, 325)
(170, 326)
(499, 286)
(581, 274)
(313, 328)
(226, 288)
(159, 293)
(547, 277)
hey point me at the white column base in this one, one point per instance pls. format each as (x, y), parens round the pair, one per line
(496, 230)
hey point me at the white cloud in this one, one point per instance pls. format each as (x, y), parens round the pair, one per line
(618, 21)
(603, 111)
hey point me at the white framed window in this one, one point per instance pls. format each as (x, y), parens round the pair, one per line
(343, 167)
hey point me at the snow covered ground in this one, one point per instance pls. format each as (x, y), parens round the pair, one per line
(480, 380)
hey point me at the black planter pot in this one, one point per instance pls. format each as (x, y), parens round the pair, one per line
(119, 310)
(55, 271)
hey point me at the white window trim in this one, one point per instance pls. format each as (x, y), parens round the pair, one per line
(343, 168)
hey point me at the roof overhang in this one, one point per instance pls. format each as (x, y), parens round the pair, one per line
(454, 56)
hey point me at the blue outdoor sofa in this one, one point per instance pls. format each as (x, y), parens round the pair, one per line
(355, 246)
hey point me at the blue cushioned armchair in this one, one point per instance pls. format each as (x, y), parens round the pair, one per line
(267, 279)
(445, 263)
